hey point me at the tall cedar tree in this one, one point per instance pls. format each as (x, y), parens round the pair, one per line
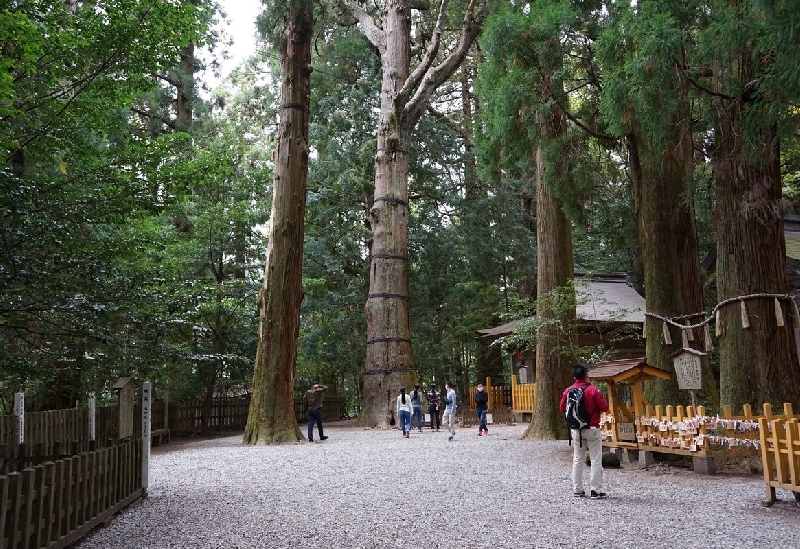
(271, 419)
(404, 97)
(757, 364)
(646, 102)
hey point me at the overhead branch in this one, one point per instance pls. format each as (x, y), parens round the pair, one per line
(166, 78)
(447, 121)
(415, 78)
(157, 116)
(700, 86)
(374, 34)
(434, 77)
(575, 120)
(557, 98)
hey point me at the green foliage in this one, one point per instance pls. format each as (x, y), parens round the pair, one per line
(125, 252)
(638, 50)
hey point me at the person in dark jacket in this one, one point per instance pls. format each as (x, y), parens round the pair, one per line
(416, 402)
(433, 407)
(595, 404)
(314, 402)
(481, 406)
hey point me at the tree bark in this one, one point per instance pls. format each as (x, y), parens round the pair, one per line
(555, 269)
(404, 97)
(271, 419)
(757, 364)
(661, 175)
(389, 359)
(185, 89)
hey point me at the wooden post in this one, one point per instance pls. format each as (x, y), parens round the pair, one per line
(166, 409)
(126, 391)
(767, 455)
(147, 388)
(92, 417)
(19, 411)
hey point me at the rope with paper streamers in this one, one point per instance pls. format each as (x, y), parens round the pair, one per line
(686, 328)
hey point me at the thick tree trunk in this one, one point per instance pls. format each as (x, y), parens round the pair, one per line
(185, 89)
(670, 257)
(389, 360)
(271, 419)
(757, 364)
(555, 269)
(404, 97)
(664, 205)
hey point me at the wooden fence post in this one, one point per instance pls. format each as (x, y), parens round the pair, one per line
(166, 410)
(92, 417)
(147, 389)
(19, 411)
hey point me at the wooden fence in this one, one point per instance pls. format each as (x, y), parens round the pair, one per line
(499, 395)
(468, 418)
(53, 435)
(52, 505)
(230, 413)
(686, 431)
(227, 413)
(780, 451)
(522, 396)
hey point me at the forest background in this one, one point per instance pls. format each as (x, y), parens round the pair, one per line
(134, 203)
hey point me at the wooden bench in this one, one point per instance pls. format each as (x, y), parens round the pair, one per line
(159, 436)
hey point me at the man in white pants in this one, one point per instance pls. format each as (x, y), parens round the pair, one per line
(449, 418)
(594, 404)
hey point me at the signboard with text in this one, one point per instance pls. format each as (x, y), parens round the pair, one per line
(687, 364)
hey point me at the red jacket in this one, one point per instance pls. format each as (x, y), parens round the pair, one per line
(593, 400)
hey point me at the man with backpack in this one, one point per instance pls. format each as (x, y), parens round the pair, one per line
(582, 403)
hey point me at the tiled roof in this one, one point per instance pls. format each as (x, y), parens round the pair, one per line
(604, 300)
(631, 369)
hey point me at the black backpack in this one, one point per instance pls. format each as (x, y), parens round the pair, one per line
(576, 414)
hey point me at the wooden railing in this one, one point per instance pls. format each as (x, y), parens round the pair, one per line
(522, 396)
(230, 413)
(60, 426)
(686, 431)
(53, 435)
(499, 395)
(780, 452)
(54, 504)
(468, 418)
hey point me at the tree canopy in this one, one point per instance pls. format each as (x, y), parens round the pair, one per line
(134, 205)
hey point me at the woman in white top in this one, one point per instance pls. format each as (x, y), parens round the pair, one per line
(404, 411)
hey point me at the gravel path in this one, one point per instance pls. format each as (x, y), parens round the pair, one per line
(374, 489)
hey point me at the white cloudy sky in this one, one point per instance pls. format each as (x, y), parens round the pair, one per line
(241, 28)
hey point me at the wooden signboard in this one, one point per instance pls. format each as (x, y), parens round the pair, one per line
(19, 411)
(687, 369)
(626, 432)
(126, 394)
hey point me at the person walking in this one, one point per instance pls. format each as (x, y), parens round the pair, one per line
(449, 418)
(481, 406)
(314, 402)
(404, 411)
(416, 402)
(582, 394)
(433, 407)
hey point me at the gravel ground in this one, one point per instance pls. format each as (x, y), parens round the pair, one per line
(374, 489)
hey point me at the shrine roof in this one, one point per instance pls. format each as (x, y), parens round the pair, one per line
(627, 370)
